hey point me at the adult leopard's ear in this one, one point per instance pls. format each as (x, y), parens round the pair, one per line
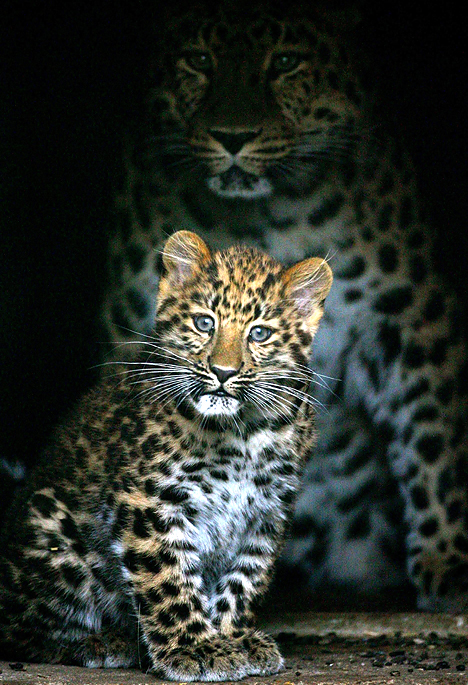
(308, 284)
(182, 254)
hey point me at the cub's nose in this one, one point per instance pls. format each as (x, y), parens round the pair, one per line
(233, 142)
(222, 374)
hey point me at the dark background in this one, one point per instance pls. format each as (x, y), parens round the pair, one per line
(70, 82)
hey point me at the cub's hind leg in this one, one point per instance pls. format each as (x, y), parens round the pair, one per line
(109, 648)
(59, 597)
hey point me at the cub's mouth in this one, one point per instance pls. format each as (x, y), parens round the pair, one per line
(217, 403)
(235, 182)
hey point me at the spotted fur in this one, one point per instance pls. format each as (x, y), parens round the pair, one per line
(259, 129)
(154, 519)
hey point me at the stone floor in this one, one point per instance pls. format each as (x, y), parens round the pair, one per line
(320, 649)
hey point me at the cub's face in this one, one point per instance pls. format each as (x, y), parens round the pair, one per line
(253, 99)
(233, 331)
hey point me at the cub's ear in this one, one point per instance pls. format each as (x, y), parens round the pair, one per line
(182, 253)
(307, 284)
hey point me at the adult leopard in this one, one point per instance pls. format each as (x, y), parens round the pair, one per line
(258, 129)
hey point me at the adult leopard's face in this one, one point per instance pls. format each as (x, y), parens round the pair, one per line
(254, 98)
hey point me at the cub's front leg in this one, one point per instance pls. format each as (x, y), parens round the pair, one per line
(182, 642)
(230, 605)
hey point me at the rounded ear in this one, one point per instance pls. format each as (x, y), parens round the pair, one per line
(307, 284)
(182, 252)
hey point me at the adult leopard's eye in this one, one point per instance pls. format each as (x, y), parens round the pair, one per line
(260, 334)
(201, 61)
(204, 323)
(284, 62)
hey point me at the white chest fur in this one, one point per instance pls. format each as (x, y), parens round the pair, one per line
(228, 500)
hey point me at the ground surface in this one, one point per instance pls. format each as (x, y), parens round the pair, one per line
(320, 649)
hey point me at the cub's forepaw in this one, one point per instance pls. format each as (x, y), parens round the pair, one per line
(213, 659)
(263, 654)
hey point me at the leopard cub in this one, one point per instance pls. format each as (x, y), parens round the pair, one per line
(155, 516)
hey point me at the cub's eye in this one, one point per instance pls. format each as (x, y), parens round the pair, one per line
(204, 323)
(260, 334)
(201, 61)
(284, 62)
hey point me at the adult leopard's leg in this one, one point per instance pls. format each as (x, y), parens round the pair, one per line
(346, 539)
(431, 467)
(419, 397)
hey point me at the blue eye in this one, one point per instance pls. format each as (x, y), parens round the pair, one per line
(204, 323)
(260, 334)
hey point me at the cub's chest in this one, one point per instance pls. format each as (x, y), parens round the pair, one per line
(226, 513)
(229, 494)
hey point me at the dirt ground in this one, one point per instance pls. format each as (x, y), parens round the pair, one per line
(320, 649)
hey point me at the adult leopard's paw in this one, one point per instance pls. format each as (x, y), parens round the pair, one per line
(448, 595)
(213, 659)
